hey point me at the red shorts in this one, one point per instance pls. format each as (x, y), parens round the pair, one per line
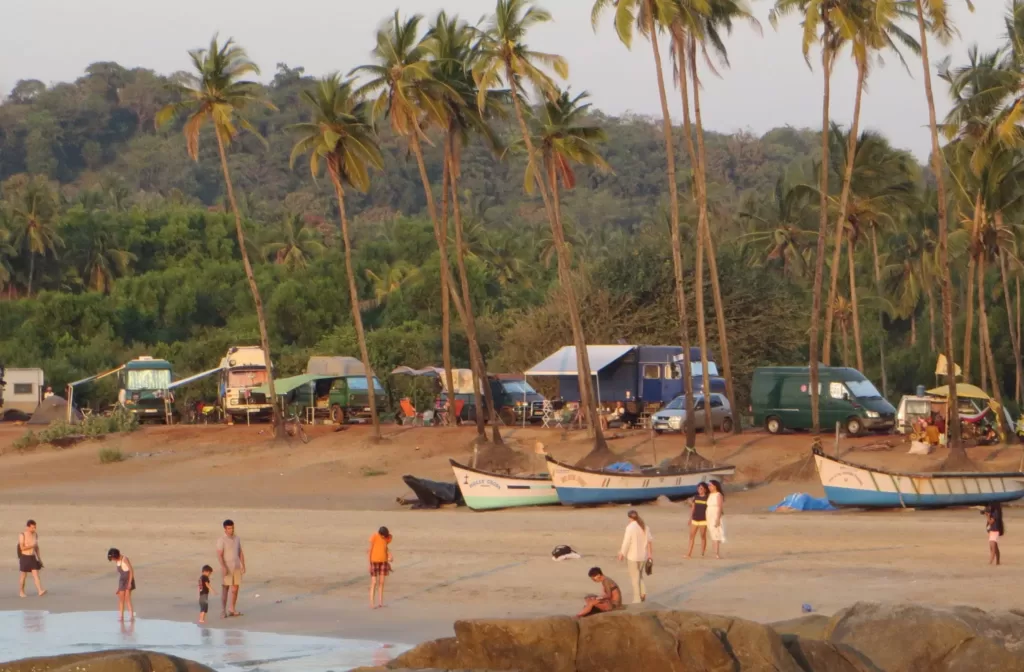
(380, 568)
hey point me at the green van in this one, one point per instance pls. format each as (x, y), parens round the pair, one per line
(781, 399)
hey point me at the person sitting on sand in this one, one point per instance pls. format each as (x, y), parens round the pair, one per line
(610, 599)
(29, 560)
(125, 583)
(931, 434)
(380, 564)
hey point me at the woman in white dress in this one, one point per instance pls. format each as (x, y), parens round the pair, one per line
(716, 507)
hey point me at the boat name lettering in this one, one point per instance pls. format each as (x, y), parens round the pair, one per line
(485, 483)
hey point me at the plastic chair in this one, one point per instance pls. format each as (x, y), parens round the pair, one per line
(459, 405)
(409, 413)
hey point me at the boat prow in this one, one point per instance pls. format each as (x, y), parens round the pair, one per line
(852, 485)
(484, 490)
(583, 487)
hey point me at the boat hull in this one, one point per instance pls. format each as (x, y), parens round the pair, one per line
(484, 491)
(577, 487)
(849, 485)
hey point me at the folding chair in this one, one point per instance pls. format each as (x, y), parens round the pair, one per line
(459, 405)
(409, 413)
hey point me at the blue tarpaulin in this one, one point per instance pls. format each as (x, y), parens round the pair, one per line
(801, 501)
(619, 466)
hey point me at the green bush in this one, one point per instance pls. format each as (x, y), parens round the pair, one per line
(109, 455)
(30, 440)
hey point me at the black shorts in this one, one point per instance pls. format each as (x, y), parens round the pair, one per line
(204, 603)
(29, 563)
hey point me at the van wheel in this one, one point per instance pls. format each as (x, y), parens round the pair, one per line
(854, 426)
(773, 425)
(727, 425)
(337, 415)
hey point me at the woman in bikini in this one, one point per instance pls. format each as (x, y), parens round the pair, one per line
(699, 520)
(125, 582)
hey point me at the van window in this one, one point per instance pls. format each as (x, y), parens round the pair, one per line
(23, 388)
(837, 390)
(652, 371)
(672, 372)
(698, 405)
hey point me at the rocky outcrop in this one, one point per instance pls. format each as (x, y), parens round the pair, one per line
(106, 661)
(862, 638)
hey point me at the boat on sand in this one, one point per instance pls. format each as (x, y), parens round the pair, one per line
(484, 490)
(853, 485)
(583, 487)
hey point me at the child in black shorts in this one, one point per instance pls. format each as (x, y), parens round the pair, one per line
(204, 592)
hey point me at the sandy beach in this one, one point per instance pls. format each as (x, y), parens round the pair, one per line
(305, 512)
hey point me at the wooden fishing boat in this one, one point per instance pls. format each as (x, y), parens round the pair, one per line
(583, 487)
(484, 490)
(848, 484)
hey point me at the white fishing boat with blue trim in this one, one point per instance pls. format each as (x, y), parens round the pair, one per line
(587, 487)
(484, 490)
(852, 485)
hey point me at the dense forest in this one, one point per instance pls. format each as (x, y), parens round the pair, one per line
(114, 242)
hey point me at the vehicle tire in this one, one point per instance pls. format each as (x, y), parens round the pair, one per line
(337, 415)
(854, 426)
(773, 425)
(727, 425)
(659, 431)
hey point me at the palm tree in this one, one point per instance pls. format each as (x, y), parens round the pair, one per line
(875, 29)
(390, 279)
(783, 226)
(836, 28)
(104, 262)
(218, 93)
(649, 16)
(7, 252)
(293, 244)
(340, 134)
(32, 203)
(935, 18)
(503, 56)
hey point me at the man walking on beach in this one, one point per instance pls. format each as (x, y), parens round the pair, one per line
(29, 560)
(232, 566)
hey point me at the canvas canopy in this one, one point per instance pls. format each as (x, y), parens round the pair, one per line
(192, 379)
(53, 409)
(461, 378)
(563, 362)
(283, 386)
(335, 367)
(963, 390)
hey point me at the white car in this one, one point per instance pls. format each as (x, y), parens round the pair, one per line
(672, 418)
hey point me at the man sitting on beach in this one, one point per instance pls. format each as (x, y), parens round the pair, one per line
(611, 599)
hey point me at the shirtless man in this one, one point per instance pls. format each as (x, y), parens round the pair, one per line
(29, 559)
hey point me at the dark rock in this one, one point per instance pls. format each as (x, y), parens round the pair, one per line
(811, 626)
(437, 653)
(106, 661)
(815, 655)
(754, 646)
(623, 641)
(539, 645)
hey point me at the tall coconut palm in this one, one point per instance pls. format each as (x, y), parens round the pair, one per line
(292, 244)
(935, 18)
(836, 27)
(504, 57)
(104, 261)
(341, 136)
(32, 204)
(7, 253)
(649, 17)
(876, 28)
(218, 93)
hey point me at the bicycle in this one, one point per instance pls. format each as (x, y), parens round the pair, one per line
(293, 427)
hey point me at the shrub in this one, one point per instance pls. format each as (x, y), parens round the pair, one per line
(30, 440)
(109, 455)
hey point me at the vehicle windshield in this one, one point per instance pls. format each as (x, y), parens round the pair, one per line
(517, 387)
(358, 383)
(863, 389)
(148, 379)
(247, 378)
(679, 403)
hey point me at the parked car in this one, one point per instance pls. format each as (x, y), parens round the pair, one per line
(672, 418)
(781, 399)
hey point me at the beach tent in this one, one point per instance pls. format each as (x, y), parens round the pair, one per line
(54, 409)
(963, 390)
(335, 367)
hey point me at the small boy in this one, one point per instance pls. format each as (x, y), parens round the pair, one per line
(611, 599)
(380, 564)
(204, 592)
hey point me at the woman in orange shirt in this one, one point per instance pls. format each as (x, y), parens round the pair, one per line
(380, 563)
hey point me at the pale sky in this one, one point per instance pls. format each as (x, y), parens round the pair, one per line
(768, 85)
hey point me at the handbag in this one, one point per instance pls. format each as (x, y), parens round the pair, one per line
(649, 566)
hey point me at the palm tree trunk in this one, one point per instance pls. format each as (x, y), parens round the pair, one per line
(353, 293)
(971, 267)
(261, 318)
(846, 343)
(1014, 341)
(854, 309)
(986, 347)
(460, 262)
(31, 270)
(932, 344)
(881, 319)
(913, 328)
(582, 357)
(844, 201)
(956, 448)
(446, 318)
(1020, 379)
(442, 246)
(677, 248)
(819, 260)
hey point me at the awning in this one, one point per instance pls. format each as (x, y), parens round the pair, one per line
(563, 362)
(283, 386)
(462, 378)
(336, 367)
(192, 379)
(964, 390)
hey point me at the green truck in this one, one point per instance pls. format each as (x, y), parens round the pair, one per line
(780, 399)
(144, 388)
